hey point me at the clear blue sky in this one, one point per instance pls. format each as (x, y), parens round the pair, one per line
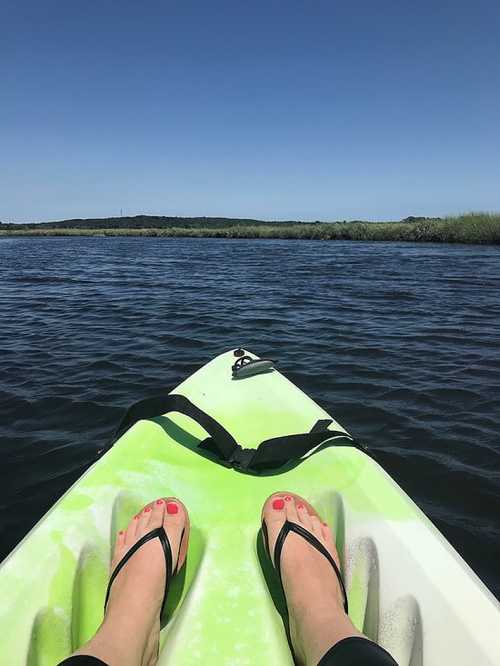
(319, 110)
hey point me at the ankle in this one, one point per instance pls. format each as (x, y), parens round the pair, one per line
(116, 642)
(317, 630)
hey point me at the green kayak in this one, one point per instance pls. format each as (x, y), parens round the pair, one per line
(408, 589)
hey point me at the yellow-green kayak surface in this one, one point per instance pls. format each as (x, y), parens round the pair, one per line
(408, 589)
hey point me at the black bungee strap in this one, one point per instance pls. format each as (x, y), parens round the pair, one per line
(270, 454)
(288, 527)
(174, 402)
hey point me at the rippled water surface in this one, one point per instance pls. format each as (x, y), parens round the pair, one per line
(400, 342)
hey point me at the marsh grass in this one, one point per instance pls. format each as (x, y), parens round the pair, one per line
(482, 228)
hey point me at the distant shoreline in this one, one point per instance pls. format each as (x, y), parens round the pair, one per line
(476, 228)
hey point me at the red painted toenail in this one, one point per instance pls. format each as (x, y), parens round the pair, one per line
(160, 501)
(172, 508)
(288, 498)
(278, 504)
(148, 508)
(300, 506)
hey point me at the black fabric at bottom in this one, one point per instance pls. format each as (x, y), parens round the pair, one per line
(355, 651)
(352, 651)
(82, 660)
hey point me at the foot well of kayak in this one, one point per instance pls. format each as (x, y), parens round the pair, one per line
(407, 587)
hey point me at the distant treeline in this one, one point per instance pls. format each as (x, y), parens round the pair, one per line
(164, 222)
(145, 222)
(483, 228)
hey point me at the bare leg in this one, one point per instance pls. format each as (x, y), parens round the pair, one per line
(313, 594)
(129, 633)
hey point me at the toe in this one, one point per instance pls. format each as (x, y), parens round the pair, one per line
(274, 510)
(131, 531)
(156, 514)
(119, 544)
(174, 514)
(302, 513)
(144, 517)
(316, 527)
(327, 534)
(291, 510)
(274, 514)
(176, 525)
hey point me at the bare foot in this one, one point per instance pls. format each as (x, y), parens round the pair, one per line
(129, 634)
(314, 597)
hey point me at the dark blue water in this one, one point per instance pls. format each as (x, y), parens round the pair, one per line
(400, 342)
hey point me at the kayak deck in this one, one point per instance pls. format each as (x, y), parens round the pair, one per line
(407, 587)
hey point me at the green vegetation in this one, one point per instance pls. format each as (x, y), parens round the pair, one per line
(481, 228)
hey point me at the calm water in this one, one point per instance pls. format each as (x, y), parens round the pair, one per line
(399, 342)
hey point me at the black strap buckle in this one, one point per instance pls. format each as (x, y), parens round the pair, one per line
(240, 458)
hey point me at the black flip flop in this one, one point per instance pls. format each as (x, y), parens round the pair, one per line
(158, 532)
(310, 538)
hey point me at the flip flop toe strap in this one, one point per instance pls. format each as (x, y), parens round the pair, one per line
(157, 533)
(310, 538)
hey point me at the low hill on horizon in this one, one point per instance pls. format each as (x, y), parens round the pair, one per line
(169, 222)
(482, 228)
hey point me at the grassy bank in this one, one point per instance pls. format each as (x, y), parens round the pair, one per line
(481, 228)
